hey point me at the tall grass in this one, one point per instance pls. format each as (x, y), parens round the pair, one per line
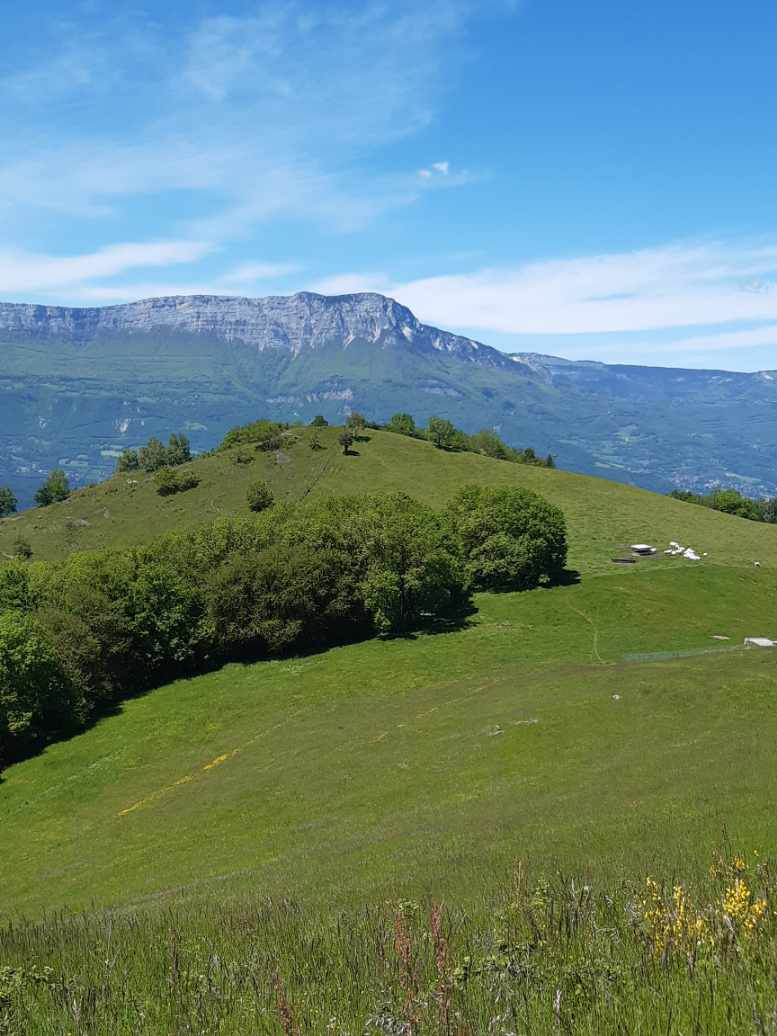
(538, 956)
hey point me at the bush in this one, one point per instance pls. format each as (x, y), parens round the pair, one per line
(259, 496)
(346, 441)
(319, 421)
(243, 457)
(264, 434)
(55, 489)
(169, 482)
(510, 539)
(22, 548)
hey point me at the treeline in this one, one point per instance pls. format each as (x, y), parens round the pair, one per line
(155, 455)
(95, 628)
(730, 501)
(446, 436)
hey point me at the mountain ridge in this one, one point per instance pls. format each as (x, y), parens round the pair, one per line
(77, 385)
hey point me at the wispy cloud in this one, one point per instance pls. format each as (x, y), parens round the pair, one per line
(266, 115)
(715, 288)
(673, 286)
(24, 271)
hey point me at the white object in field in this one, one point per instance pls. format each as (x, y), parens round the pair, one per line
(691, 554)
(760, 642)
(757, 564)
(643, 548)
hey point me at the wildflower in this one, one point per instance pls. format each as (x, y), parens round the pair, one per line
(743, 911)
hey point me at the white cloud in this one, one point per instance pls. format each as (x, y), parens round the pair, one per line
(675, 286)
(28, 272)
(436, 169)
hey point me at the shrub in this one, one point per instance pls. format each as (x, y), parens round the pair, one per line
(22, 548)
(319, 421)
(346, 441)
(169, 482)
(510, 539)
(259, 496)
(243, 457)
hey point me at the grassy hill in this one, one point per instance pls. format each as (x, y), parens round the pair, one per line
(594, 725)
(602, 516)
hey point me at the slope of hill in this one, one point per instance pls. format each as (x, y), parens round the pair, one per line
(592, 724)
(78, 385)
(602, 516)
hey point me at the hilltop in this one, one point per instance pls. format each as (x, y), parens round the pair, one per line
(79, 385)
(602, 516)
(586, 724)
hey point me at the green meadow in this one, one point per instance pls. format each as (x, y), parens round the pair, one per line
(602, 729)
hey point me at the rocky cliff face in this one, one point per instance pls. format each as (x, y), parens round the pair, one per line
(294, 323)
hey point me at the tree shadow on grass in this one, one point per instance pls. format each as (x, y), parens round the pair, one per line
(569, 577)
(452, 620)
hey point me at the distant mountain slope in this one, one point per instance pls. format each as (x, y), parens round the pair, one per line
(78, 385)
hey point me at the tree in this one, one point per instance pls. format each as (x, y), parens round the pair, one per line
(402, 424)
(8, 502)
(152, 456)
(55, 489)
(178, 450)
(346, 441)
(550, 461)
(319, 421)
(442, 433)
(489, 444)
(510, 539)
(128, 461)
(356, 422)
(413, 565)
(33, 690)
(259, 496)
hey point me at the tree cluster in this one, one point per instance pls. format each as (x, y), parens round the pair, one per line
(446, 436)
(730, 501)
(97, 627)
(263, 434)
(155, 455)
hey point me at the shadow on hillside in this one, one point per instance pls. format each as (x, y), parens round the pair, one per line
(452, 621)
(569, 577)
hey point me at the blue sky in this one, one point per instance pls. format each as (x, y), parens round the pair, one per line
(591, 180)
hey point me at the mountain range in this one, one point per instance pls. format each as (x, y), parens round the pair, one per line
(77, 385)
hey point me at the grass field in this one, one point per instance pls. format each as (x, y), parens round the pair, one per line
(599, 728)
